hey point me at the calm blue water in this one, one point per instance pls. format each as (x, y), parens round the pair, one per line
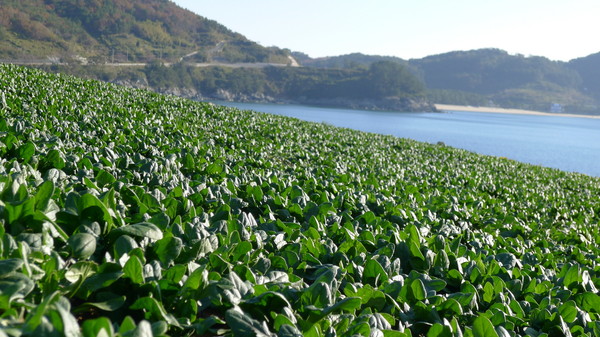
(567, 143)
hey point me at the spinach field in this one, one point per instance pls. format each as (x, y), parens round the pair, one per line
(127, 213)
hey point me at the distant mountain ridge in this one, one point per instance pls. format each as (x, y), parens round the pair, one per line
(154, 32)
(494, 77)
(498, 78)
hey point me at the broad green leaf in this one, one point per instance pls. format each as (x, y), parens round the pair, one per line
(154, 310)
(488, 292)
(159, 328)
(348, 304)
(234, 288)
(99, 327)
(568, 311)
(104, 178)
(572, 277)
(360, 329)
(452, 306)
(589, 302)
(144, 329)
(280, 320)
(101, 279)
(502, 332)
(82, 245)
(123, 245)
(161, 220)
(54, 159)
(127, 325)
(70, 327)
(35, 318)
(215, 168)
(80, 271)
(95, 209)
(13, 287)
(274, 301)
(196, 281)
(482, 327)
(142, 229)
(318, 294)
(44, 194)
(439, 330)
(374, 273)
(517, 309)
(176, 273)
(416, 251)
(287, 330)
(508, 260)
(26, 151)
(241, 249)
(242, 324)
(418, 290)
(9, 265)
(168, 249)
(134, 270)
(436, 284)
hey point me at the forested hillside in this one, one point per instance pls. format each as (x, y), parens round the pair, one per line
(589, 69)
(120, 31)
(508, 80)
(382, 86)
(493, 77)
(162, 44)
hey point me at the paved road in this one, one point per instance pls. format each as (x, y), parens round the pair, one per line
(217, 48)
(206, 64)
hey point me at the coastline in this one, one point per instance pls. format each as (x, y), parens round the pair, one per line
(449, 107)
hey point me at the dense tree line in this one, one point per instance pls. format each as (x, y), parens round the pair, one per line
(380, 80)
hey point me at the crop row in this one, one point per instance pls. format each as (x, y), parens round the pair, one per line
(126, 213)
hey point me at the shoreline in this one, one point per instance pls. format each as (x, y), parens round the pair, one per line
(450, 107)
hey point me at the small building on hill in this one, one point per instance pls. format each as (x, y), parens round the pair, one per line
(556, 108)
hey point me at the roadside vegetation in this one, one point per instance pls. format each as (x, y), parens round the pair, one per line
(128, 213)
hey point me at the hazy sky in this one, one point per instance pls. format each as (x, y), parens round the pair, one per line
(558, 29)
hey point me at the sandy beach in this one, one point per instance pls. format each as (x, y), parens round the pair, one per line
(448, 107)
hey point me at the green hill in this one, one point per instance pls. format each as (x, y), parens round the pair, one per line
(128, 213)
(493, 76)
(589, 69)
(158, 45)
(355, 60)
(120, 31)
(81, 37)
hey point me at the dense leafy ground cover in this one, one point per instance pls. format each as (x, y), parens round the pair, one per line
(126, 213)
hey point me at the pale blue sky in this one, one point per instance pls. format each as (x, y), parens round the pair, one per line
(557, 29)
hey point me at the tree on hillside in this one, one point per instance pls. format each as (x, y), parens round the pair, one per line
(388, 79)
